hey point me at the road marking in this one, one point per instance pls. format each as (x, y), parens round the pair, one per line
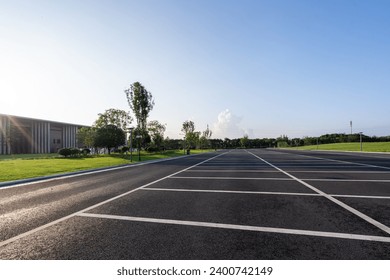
(266, 193)
(228, 191)
(278, 179)
(338, 202)
(239, 227)
(230, 178)
(360, 196)
(348, 180)
(15, 238)
(232, 171)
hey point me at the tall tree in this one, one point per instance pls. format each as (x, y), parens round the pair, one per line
(156, 131)
(204, 140)
(141, 103)
(190, 136)
(119, 118)
(188, 127)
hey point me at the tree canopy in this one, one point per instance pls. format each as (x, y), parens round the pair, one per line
(119, 118)
(141, 103)
(110, 136)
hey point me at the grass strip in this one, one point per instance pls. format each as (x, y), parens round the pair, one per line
(16, 167)
(352, 147)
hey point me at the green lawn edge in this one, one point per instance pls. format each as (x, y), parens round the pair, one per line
(378, 147)
(20, 167)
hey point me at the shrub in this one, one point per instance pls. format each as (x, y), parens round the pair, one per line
(152, 149)
(64, 152)
(74, 152)
(86, 151)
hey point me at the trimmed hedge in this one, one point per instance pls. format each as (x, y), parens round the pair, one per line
(66, 152)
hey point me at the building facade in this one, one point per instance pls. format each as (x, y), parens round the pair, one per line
(21, 135)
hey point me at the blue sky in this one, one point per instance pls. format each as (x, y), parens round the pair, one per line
(265, 68)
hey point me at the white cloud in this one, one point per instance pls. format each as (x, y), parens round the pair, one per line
(228, 125)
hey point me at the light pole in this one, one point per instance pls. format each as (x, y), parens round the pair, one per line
(139, 146)
(361, 141)
(131, 143)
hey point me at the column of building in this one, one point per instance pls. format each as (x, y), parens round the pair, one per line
(69, 136)
(5, 148)
(40, 137)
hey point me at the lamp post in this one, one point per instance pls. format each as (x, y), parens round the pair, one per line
(131, 143)
(139, 146)
(361, 141)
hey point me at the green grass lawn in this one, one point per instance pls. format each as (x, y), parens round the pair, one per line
(15, 167)
(367, 147)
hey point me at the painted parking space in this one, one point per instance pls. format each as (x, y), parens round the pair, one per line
(236, 198)
(255, 204)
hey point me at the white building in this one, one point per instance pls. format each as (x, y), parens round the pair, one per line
(21, 135)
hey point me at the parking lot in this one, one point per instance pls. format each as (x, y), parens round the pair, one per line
(239, 204)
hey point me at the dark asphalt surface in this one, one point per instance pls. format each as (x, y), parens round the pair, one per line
(237, 205)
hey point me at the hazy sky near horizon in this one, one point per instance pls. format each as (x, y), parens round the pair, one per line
(265, 68)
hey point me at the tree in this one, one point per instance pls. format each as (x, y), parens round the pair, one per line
(244, 141)
(156, 131)
(141, 103)
(188, 127)
(204, 140)
(191, 137)
(109, 136)
(86, 136)
(119, 118)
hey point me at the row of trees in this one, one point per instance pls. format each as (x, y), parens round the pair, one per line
(110, 131)
(285, 141)
(330, 139)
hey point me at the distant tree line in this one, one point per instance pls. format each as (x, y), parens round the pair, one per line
(285, 141)
(112, 128)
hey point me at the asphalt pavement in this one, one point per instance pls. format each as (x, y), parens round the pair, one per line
(236, 204)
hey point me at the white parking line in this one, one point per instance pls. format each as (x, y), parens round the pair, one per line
(228, 191)
(240, 227)
(338, 202)
(266, 193)
(277, 179)
(348, 180)
(360, 196)
(233, 171)
(229, 178)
